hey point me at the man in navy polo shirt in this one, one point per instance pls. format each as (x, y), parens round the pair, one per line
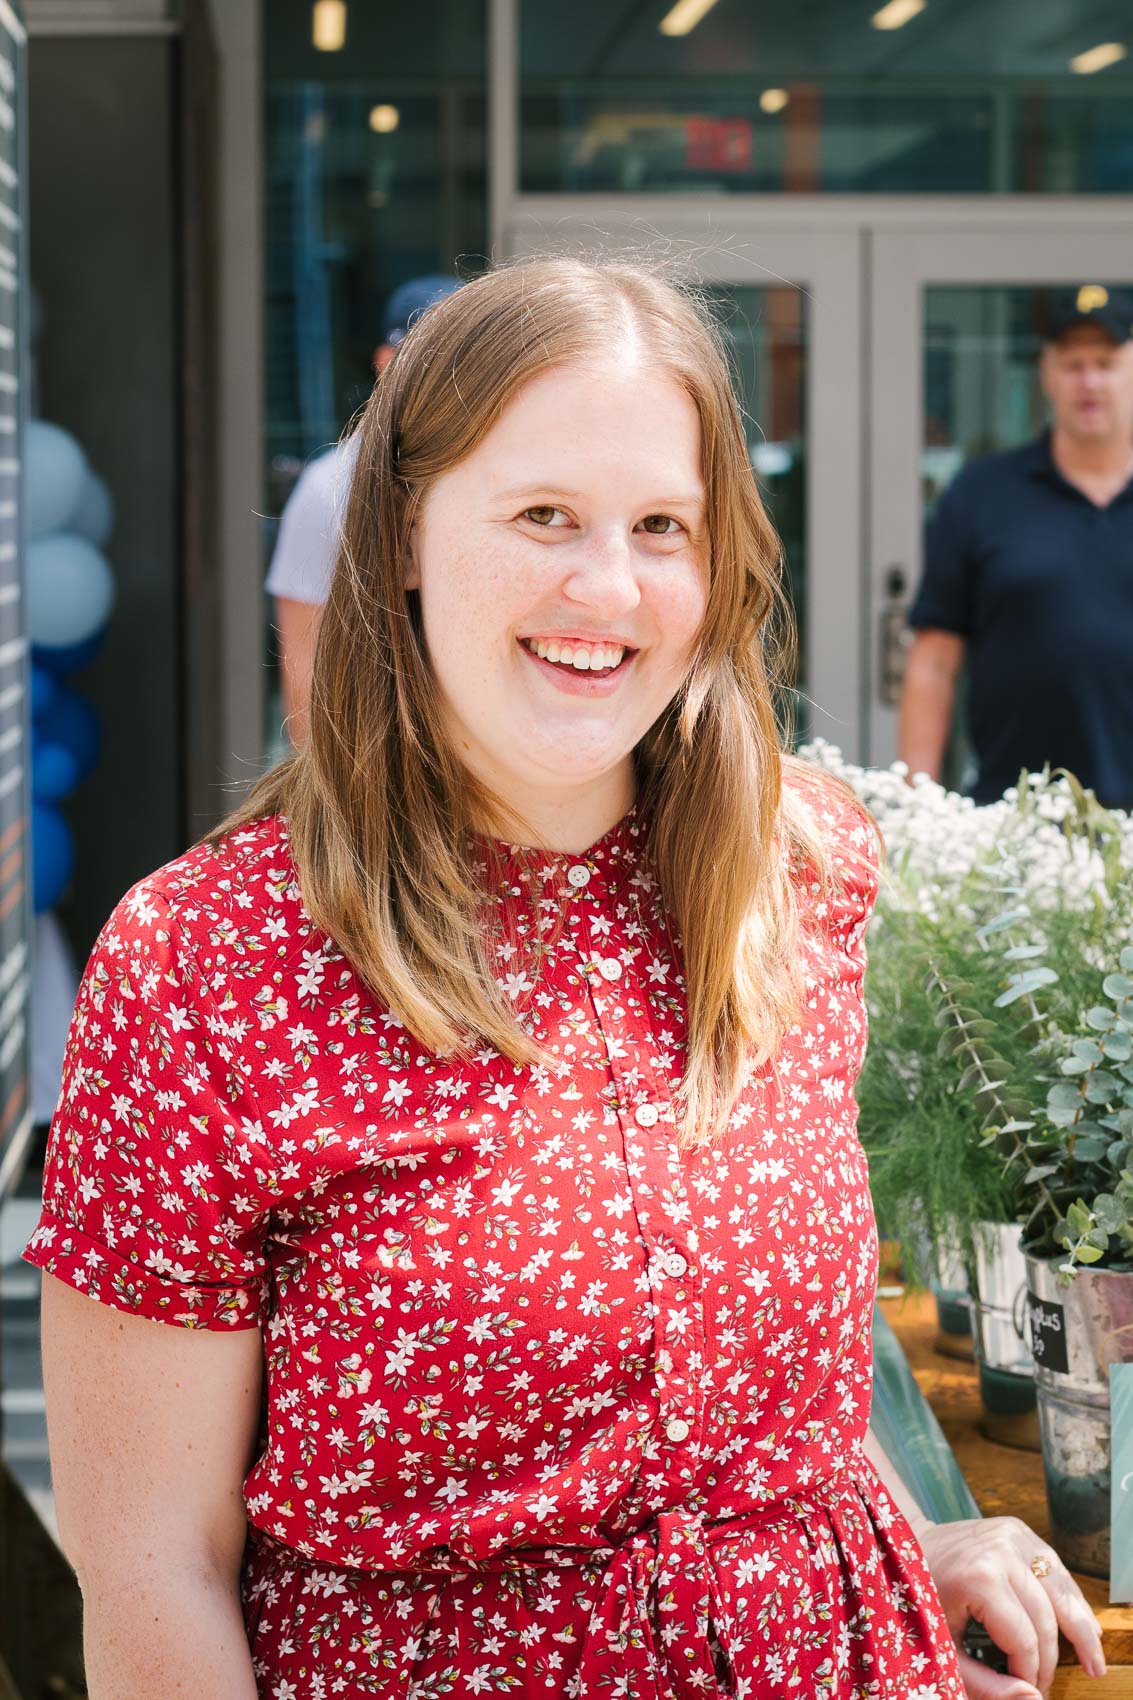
(1029, 579)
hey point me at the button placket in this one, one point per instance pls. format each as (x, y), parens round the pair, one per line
(654, 1177)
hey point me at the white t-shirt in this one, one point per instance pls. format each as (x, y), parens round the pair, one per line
(310, 527)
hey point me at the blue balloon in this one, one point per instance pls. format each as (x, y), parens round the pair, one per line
(54, 771)
(71, 658)
(94, 516)
(73, 723)
(43, 688)
(71, 590)
(53, 856)
(55, 471)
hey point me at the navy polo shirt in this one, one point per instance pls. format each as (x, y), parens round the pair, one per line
(1039, 582)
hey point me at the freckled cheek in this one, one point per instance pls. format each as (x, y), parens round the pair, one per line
(679, 604)
(472, 598)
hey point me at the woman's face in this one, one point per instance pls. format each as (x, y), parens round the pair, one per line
(563, 574)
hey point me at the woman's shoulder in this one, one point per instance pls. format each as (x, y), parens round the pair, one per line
(230, 881)
(823, 804)
(835, 849)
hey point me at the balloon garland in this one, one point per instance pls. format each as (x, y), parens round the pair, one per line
(71, 594)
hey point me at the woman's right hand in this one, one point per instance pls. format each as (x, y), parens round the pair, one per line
(983, 1570)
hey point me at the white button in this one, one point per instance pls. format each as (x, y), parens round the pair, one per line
(610, 968)
(578, 876)
(675, 1264)
(676, 1429)
(646, 1115)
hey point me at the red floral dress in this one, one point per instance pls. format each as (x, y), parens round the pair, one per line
(550, 1408)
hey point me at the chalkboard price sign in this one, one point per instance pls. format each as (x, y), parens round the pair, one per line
(1048, 1334)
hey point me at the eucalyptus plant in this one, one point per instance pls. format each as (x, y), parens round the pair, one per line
(1001, 940)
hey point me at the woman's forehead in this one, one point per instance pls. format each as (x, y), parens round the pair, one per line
(617, 417)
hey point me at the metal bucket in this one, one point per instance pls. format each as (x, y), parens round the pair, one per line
(999, 1306)
(1077, 1331)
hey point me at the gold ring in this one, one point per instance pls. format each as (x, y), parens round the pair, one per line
(1041, 1566)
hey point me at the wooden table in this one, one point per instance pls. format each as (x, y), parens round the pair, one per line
(1006, 1481)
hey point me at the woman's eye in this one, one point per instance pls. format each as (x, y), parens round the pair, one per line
(657, 525)
(541, 515)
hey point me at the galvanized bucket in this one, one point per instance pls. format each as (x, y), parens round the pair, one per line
(1077, 1331)
(999, 1305)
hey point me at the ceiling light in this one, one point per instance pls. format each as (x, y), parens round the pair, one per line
(1097, 58)
(773, 100)
(384, 119)
(685, 16)
(328, 25)
(897, 14)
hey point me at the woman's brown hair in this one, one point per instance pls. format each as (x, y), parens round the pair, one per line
(380, 809)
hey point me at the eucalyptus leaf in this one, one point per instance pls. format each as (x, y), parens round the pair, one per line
(1078, 1217)
(1109, 1212)
(1101, 1087)
(1064, 1095)
(1117, 986)
(1010, 918)
(1091, 1149)
(1024, 984)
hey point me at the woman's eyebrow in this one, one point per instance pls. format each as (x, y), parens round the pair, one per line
(692, 500)
(532, 484)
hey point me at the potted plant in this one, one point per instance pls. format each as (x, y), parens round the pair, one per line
(1072, 1160)
(997, 1097)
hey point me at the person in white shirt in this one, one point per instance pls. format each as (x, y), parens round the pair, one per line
(309, 529)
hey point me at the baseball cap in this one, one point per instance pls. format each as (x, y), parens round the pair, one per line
(1111, 310)
(409, 300)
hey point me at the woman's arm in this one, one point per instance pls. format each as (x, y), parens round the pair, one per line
(152, 1429)
(982, 1570)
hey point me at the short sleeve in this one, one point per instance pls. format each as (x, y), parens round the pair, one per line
(852, 843)
(302, 563)
(155, 1194)
(855, 853)
(944, 600)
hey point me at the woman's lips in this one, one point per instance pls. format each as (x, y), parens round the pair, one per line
(575, 682)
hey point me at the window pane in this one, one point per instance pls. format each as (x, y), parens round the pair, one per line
(374, 164)
(816, 99)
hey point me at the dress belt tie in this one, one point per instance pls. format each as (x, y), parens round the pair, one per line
(659, 1629)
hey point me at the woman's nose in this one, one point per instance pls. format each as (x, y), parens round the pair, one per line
(603, 575)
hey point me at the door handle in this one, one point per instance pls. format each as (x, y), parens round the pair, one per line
(893, 636)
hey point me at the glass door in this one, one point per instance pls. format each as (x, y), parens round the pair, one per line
(955, 317)
(790, 305)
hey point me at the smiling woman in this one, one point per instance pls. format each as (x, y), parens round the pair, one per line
(533, 1163)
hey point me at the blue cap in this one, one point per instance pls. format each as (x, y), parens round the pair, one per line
(409, 300)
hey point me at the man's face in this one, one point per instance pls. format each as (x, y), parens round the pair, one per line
(1088, 380)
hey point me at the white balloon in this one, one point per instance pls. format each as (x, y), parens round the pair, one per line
(70, 590)
(55, 471)
(93, 517)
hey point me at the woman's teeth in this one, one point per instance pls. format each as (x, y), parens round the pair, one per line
(593, 658)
